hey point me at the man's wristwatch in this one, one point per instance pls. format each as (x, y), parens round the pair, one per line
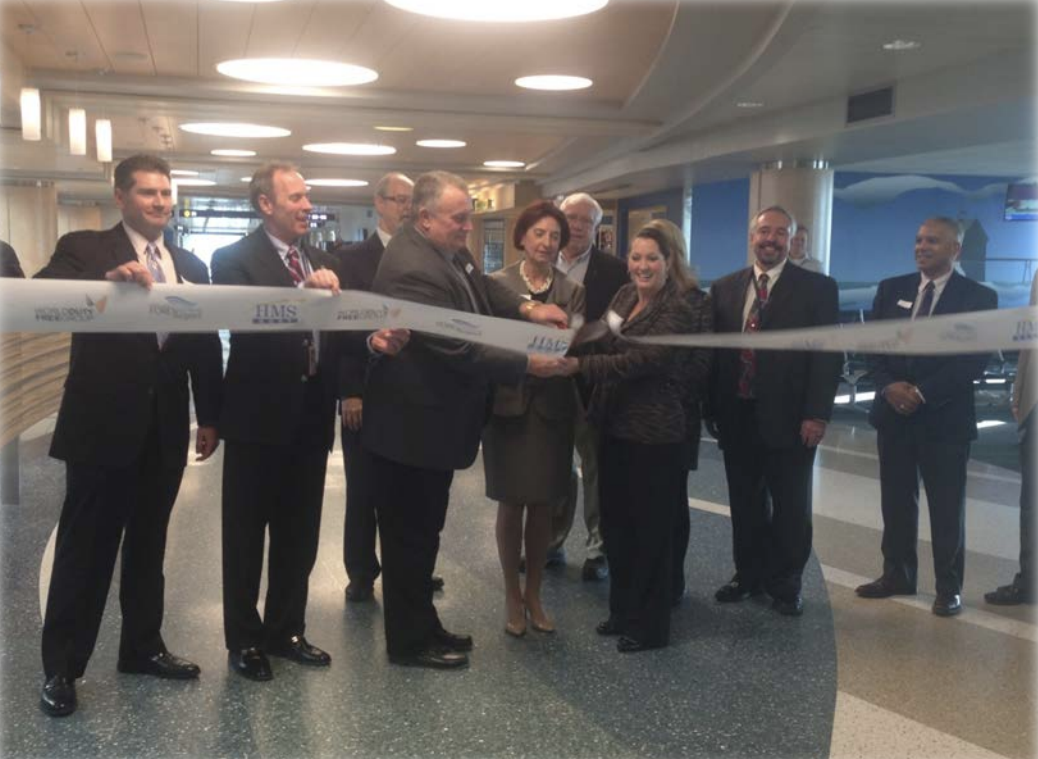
(527, 307)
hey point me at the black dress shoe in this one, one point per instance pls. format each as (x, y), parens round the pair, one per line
(250, 663)
(595, 570)
(58, 697)
(163, 664)
(947, 604)
(1009, 595)
(609, 627)
(556, 558)
(791, 607)
(453, 642)
(437, 583)
(299, 649)
(433, 657)
(735, 591)
(358, 592)
(631, 646)
(884, 587)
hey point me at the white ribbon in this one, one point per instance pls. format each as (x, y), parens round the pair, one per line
(94, 306)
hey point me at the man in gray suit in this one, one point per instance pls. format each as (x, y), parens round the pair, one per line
(424, 410)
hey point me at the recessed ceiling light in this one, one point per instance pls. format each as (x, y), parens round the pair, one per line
(233, 153)
(394, 129)
(440, 143)
(504, 164)
(349, 148)
(194, 182)
(500, 10)
(337, 182)
(231, 129)
(252, 1)
(749, 104)
(184, 173)
(899, 45)
(305, 72)
(246, 179)
(554, 82)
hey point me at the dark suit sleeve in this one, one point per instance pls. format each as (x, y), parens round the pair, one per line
(878, 365)
(204, 356)
(504, 301)
(700, 359)
(958, 371)
(11, 267)
(74, 258)
(824, 372)
(495, 364)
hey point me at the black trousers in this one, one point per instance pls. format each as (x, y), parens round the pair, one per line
(1026, 578)
(103, 506)
(682, 533)
(279, 488)
(361, 525)
(904, 456)
(769, 491)
(411, 504)
(639, 485)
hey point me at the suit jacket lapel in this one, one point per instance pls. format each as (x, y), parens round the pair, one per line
(949, 301)
(779, 293)
(737, 303)
(122, 248)
(470, 272)
(268, 259)
(908, 293)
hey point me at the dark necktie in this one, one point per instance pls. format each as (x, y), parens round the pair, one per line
(153, 260)
(295, 265)
(747, 357)
(927, 305)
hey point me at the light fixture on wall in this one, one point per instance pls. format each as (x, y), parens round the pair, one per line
(77, 131)
(103, 138)
(31, 120)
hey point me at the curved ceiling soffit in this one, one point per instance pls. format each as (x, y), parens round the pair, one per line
(673, 55)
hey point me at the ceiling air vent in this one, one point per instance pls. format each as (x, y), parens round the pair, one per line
(874, 104)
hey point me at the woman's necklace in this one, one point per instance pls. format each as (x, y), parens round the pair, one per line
(530, 286)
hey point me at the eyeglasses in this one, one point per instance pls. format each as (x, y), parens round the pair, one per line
(400, 200)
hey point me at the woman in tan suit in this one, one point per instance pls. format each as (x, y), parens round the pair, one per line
(528, 445)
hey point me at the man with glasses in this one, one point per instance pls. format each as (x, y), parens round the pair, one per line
(602, 275)
(359, 262)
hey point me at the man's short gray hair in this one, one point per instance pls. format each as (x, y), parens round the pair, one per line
(953, 224)
(775, 209)
(429, 187)
(583, 197)
(263, 180)
(382, 186)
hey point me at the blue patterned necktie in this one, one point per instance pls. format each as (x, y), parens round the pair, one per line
(154, 262)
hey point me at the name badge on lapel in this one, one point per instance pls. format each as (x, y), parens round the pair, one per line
(905, 304)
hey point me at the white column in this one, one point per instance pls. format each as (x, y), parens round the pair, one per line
(805, 189)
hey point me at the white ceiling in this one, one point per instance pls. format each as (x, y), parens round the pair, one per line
(667, 73)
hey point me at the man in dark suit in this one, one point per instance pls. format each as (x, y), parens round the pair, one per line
(358, 264)
(122, 431)
(602, 274)
(424, 410)
(771, 409)
(924, 419)
(279, 423)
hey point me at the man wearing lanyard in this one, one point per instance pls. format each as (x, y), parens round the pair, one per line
(123, 432)
(925, 419)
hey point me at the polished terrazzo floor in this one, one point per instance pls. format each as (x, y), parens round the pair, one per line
(851, 678)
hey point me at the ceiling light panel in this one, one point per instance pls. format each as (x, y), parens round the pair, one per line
(504, 164)
(297, 72)
(336, 183)
(500, 10)
(194, 182)
(232, 129)
(440, 143)
(349, 148)
(553, 82)
(233, 153)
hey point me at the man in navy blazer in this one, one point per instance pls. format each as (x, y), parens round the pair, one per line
(358, 264)
(123, 433)
(770, 418)
(925, 419)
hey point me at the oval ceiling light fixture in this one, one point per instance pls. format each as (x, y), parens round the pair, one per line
(900, 45)
(500, 10)
(233, 153)
(184, 173)
(394, 129)
(296, 72)
(195, 182)
(349, 148)
(234, 129)
(441, 143)
(749, 104)
(246, 179)
(504, 164)
(553, 82)
(337, 183)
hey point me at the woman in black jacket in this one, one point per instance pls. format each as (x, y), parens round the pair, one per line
(639, 405)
